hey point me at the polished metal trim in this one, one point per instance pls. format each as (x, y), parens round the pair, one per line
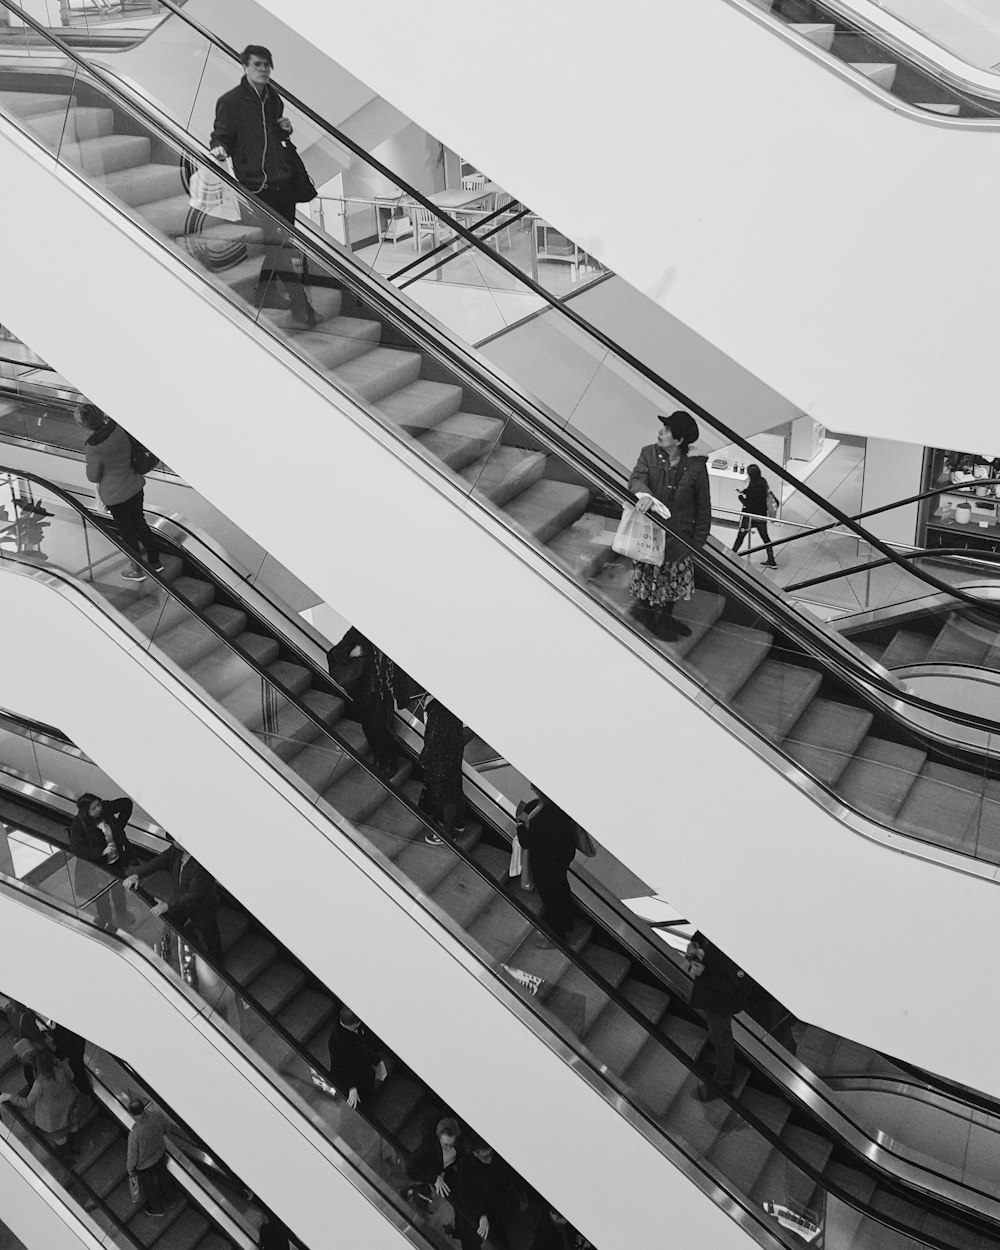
(73, 1214)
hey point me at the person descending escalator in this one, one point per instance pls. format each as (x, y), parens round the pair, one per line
(442, 796)
(369, 676)
(721, 990)
(50, 1099)
(98, 836)
(356, 1066)
(193, 906)
(146, 1159)
(550, 836)
(250, 127)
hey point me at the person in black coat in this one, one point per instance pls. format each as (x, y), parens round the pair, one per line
(754, 499)
(555, 1233)
(193, 908)
(97, 836)
(436, 1160)
(721, 990)
(668, 474)
(486, 1192)
(550, 835)
(353, 1059)
(442, 796)
(71, 1047)
(370, 679)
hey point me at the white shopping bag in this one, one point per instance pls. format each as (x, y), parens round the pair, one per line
(640, 538)
(209, 194)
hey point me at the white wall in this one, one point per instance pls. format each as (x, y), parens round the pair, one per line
(891, 472)
(539, 676)
(35, 1215)
(765, 203)
(308, 884)
(115, 1002)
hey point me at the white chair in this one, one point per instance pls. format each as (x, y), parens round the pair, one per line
(503, 206)
(473, 182)
(427, 223)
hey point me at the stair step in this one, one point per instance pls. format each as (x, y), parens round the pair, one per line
(157, 612)
(325, 300)
(860, 1186)
(463, 894)
(396, 1100)
(253, 701)
(942, 804)
(249, 957)
(461, 438)
(420, 406)
(144, 184)
(741, 1157)
(983, 833)
(232, 926)
(879, 777)
(584, 547)
(191, 640)
(906, 647)
(294, 730)
(882, 73)
(338, 340)
(108, 155)
(378, 373)
(607, 964)
(699, 614)
(775, 696)
(825, 737)
(819, 33)
(781, 1181)
(727, 656)
(656, 1077)
(505, 473)
(220, 674)
(306, 1015)
(700, 1124)
(548, 507)
(961, 642)
(78, 125)
(277, 985)
(615, 1039)
(33, 103)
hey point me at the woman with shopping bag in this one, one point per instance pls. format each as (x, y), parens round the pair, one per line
(672, 482)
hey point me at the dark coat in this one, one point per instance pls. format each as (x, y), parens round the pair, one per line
(427, 1162)
(691, 503)
(195, 897)
(353, 1057)
(754, 497)
(86, 840)
(551, 839)
(723, 987)
(247, 127)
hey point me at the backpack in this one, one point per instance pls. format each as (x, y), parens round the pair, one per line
(143, 460)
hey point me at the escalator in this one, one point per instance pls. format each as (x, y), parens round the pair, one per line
(551, 497)
(635, 1033)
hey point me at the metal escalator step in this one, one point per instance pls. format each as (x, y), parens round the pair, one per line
(191, 640)
(699, 614)
(32, 103)
(545, 509)
(883, 73)
(983, 832)
(376, 374)
(424, 866)
(775, 696)
(773, 1111)
(727, 656)
(651, 1001)
(223, 672)
(420, 1123)
(825, 737)
(108, 1169)
(861, 1186)
(143, 184)
(157, 612)
(232, 925)
(308, 1014)
(695, 1124)
(585, 546)
(185, 1232)
(173, 566)
(741, 1155)
(500, 928)
(337, 341)
(655, 1077)
(611, 966)
(879, 777)
(504, 473)
(781, 1181)
(277, 986)
(459, 439)
(249, 957)
(906, 647)
(72, 126)
(463, 894)
(421, 406)
(943, 804)
(356, 795)
(100, 1134)
(106, 155)
(819, 33)
(395, 1101)
(961, 641)
(616, 1039)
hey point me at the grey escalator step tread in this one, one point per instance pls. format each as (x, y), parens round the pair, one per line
(107, 155)
(256, 700)
(782, 1181)
(293, 730)
(80, 123)
(585, 546)
(819, 33)
(548, 507)
(277, 986)
(651, 1001)
(415, 1130)
(741, 1155)
(493, 860)
(609, 965)
(31, 103)
(874, 650)
(505, 473)
(421, 406)
(879, 777)
(425, 867)
(324, 761)
(157, 611)
(295, 678)
(378, 373)
(727, 656)
(463, 893)
(768, 1108)
(460, 439)
(655, 1076)
(983, 832)
(191, 640)
(356, 795)
(328, 707)
(942, 803)
(699, 614)
(907, 647)
(616, 1038)
(100, 1135)
(338, 340)
(172, 218)
(186, 1232)
(232, 925)
(961, 642)
(249, 957)
(395, 1101)
(881, 72)
(220, 674)
(107, 1171)
(173, 566)
(948, 110)
(825, 737)
(214, 1241)
(307, 1015)
(145, 184)
(775, 696)
(326, 302)
(697, 1125)
(955, 1235)
(500, 928)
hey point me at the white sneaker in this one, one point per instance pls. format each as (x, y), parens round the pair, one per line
(133, 574)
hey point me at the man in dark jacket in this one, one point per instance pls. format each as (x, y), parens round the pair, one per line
(485, 1194)
(250, 128)
(721, 989)
(97, 836)
(353, 1059)
(193, 908)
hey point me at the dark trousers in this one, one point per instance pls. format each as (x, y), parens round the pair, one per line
(720, 1033)
(135, 533)
(552, 883)
(154, 1183)
(279, 247)
(746, 523)
(205, 937)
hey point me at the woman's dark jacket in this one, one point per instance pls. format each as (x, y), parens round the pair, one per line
(551, 839)
(691, 506)
(247, 127)
(353, 1057)
(86, 839)
(427, 1162)
(723, 988)
(754, 497)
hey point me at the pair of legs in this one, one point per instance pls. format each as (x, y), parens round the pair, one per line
(135, 533)
(720, 1034)
(746, 524)
(154, 1183)
(657, 590)
(552, 883)
(278, 248)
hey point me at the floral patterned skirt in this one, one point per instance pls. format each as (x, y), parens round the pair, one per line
(657, 586)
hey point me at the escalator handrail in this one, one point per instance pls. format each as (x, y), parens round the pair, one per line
(918, 553)
(481, 377)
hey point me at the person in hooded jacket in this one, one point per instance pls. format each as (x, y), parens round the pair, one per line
(108, 452)
(50, 1100)
(97, 837)
(667, 473)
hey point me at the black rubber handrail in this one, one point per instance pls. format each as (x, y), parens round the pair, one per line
(920, 553)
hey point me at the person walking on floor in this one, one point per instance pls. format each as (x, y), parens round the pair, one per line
(550, 835)
(146, 1157)
(98, 836)
(754, 498)
(721, 990)
(442, 796)
(250, 127)
(193, 907)
(668, 474)
(108, 451)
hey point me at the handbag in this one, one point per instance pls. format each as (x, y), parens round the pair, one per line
(134, 1187)
(585, 844)
(210, 194)
(772, 505)
(300, 184)
(143, 460)
(640, 538)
